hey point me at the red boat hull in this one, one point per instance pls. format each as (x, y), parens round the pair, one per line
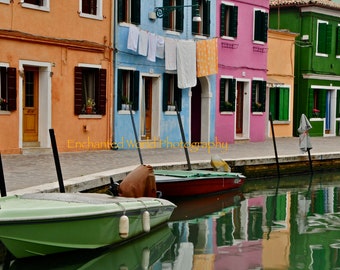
(179, 187)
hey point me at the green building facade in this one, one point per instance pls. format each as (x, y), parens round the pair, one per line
(317, 60)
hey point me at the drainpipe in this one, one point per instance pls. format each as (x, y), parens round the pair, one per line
(114, 38)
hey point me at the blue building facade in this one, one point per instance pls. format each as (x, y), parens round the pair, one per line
(150, 80)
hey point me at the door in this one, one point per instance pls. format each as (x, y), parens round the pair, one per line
(30, 104)
(147, 106)
(196, 112)
(239, 107)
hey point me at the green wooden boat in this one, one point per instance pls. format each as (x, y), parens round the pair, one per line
(47, 223)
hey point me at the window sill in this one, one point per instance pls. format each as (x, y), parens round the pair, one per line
(4, 112)
(257, 113)
(36, 7)
(227, 113)
(90, 116)
(125, 112)
(170, 113)
(278, 122)
(172, 32)
(90, 16)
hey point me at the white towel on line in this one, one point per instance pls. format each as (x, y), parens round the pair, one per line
(152, 47)
(186, 64)
(160, 47)
(143, 43)
(133, 38)
(170, 53)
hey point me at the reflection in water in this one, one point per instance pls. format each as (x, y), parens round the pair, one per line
(293, 223)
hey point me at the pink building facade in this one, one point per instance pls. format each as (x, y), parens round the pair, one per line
(242, 67)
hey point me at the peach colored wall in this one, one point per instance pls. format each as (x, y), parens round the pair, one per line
(281, 52)
(62, 22)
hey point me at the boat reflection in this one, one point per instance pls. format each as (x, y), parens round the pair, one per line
(141, 253)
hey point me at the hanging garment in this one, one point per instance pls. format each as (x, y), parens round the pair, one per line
(152, 47)
(160, 47)
(206, 53)
(143, 43)
(133, 38)
(170, 53)
(186, 64)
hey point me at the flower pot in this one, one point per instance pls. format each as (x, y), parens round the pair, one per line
(88, 110)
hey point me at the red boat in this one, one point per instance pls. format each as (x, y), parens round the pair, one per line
(180, 183)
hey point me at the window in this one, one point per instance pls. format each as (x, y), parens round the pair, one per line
(324, 38)
(172, 95)
(174, 19)
(129, 11)
(229, 17)
(91, 8)
(317, 103)
(227, 94)
(338, 104)
(258, 96)
(128, 89)
(279, 103)
(36, 4)
(260, 26)
(8, 90)
(203, 27)
(90, 89)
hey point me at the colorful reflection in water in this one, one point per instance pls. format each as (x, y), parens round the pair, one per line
(290, 223)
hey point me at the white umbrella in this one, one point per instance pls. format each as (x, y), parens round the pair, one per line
(304, 139)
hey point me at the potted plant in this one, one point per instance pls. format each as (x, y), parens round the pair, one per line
(3, 103)
(171, 107)
(125, 103)
(90, 105)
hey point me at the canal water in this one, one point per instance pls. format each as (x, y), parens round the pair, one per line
(287, 223)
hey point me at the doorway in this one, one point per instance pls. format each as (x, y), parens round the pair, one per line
(30, 105)
(239, 108)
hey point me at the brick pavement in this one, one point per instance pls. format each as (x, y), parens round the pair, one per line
(29, 171)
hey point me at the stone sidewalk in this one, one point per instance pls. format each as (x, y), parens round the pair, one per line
(82, 170)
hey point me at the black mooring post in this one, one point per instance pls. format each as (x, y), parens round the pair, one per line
(183, 137)
(56, 161)
(136, 137)
(274, 142)
(2, 180)
(310, 160)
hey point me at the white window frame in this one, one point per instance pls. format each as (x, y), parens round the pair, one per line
(44, 7)
(317, 39)
(98, 16)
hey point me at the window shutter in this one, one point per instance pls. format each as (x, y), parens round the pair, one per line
(262, 95)
(206, 18)
(78, 90)
(232, 93)
(102, 92)
(121, 10)
(284, 104)
(265, 26)
(222, 22)
(337, 51)
(322, 102)
(165, 91)
(119, 89)
(222, 94)
(234, 21)
(257, 28)
(272, 102)
(166, 17)
(179, 16)
(135, 91)
(338, 103)
(311, 103)
(329, 39)
(135, 11)
(322, 38)
(253, 96)
(12, 88)
(3, 78)
(178, 95)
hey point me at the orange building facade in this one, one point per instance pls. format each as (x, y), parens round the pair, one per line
(55, 60)
(280, 81)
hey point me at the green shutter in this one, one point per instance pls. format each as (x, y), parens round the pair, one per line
(178, 95)
(12, 88)
(337, 50)
(265, 26)
(310, 103)
(272, 103)
(222, 21)
(166, 17)
(338, 103)
(135, 91)
(135, 11)
(179, 16)
(119, 89)
(78, 90)
(165, 91)
(322, 102)
(194, 25)
(253, 96)
(262, 95)
(121, 10)
(283, 104)
(233, 21)
(206, 18)
(322, 38)
(232, 93)
(222, 94)
(257, 28)
(329, 39)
